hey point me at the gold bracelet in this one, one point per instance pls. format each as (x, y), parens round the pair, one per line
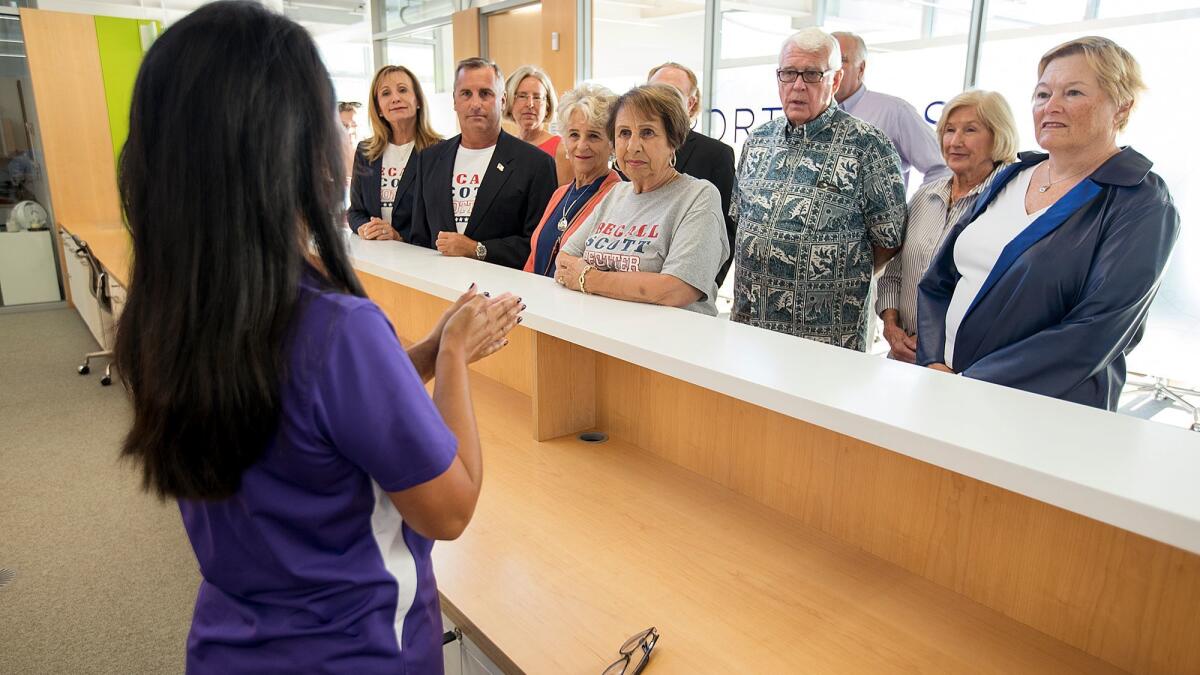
(583, 279)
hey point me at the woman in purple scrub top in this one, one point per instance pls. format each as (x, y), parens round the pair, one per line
(271, 399)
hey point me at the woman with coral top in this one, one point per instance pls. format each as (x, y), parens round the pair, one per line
(582, 116)
(530, 103)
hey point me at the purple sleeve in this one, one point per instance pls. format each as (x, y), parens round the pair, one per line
(372, 406)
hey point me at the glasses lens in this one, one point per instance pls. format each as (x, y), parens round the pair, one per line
(647, 648)
(617, 667)
(633, 642)
(786, 75)
(812, 76)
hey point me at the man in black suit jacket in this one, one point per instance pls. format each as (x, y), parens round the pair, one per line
(481, 194)
(701, 156)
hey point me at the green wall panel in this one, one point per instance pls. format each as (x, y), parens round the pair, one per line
(121, 50)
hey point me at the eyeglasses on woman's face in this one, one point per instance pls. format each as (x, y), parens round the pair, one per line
(789, 75)
(644, 640)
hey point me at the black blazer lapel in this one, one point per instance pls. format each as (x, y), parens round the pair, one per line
(375, 179)
(498, 171)
(442, 174)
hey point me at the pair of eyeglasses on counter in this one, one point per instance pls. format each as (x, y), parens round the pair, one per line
(645, 641)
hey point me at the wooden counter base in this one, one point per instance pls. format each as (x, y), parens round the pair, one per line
(576, 540)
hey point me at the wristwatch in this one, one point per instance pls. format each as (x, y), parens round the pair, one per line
(480, 250)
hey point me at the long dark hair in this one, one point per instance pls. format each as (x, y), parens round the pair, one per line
(230, 182)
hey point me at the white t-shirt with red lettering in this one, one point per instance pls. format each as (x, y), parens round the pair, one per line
(469, 169)
(677, 229)
(395, 158)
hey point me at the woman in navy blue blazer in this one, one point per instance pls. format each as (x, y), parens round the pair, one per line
(1046, 284)
(381, 197)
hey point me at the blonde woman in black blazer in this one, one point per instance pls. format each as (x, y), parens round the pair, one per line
(400, 124)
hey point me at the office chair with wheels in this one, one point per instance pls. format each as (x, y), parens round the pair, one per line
(98, 286)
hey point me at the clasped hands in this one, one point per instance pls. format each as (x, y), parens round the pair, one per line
(476, 325)
(377, 228)
(567, 269)
(904, 346)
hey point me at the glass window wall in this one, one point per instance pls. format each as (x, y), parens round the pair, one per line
(430, 55)
(631, 36)
(915, 51)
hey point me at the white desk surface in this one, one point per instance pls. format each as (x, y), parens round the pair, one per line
(1137, 475)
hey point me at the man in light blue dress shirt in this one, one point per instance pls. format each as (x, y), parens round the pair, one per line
(895, 117)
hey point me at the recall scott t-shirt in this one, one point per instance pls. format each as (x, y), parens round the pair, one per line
(469, 169)
(395, 158)
(677, 229)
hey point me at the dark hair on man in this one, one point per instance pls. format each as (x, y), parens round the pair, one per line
(230, 181)
(655, 100)
(476, 62)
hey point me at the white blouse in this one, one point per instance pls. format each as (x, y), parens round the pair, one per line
(980, 245)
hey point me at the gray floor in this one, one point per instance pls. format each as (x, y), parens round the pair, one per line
(105, 579)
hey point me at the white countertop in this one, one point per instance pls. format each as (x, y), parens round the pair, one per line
(1134, 474)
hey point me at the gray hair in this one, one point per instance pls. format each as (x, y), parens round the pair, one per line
(593, 100)
(814, 39)
(476, 63)
(859, 43)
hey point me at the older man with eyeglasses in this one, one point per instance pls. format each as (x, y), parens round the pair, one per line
(820, 205)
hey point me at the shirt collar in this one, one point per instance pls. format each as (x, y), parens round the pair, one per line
(942, 188)
(814, 126)
(1125, 169)
(852, 100)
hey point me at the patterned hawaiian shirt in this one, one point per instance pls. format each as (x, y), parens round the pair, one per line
(810, 202)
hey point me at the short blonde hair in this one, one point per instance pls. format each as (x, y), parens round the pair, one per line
(515, 80)
(694, 111)
(657, 100)
(1119, 74)
(593, 100)
(995, 114)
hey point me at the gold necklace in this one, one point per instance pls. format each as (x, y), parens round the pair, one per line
(1047, 186)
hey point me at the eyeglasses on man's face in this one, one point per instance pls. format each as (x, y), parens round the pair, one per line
(646, 641)
(789, 75)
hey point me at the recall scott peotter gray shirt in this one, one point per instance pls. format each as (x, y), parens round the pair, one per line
(677, 229)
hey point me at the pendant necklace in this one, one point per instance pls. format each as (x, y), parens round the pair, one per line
(562, 222)
(1048, 185)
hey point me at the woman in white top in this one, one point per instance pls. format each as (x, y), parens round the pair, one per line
(1046, 286)
(978, 137)
(659, 238)
(380, 188)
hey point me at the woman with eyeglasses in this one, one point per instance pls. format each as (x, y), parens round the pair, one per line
(271, 400)
(530, 103)
(582, 119)
(660, 238)
(1046, 285)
